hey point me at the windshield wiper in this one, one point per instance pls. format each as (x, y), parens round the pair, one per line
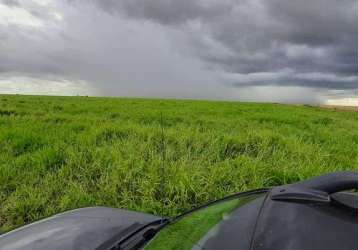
(139, 237)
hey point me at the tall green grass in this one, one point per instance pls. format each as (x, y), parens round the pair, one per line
(60, 153)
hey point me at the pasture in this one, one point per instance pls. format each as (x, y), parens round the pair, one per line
(157, 156)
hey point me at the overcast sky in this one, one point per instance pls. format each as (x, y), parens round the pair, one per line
(256, 50)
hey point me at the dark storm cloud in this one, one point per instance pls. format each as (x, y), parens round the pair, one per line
(319, 36)
(304, 80)
(166, 11)
(184, 48)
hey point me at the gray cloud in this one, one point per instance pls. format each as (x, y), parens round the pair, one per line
(187, 48)
(11, 2)
(168, 12)
(264, 36)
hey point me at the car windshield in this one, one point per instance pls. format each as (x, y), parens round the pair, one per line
(192, 230)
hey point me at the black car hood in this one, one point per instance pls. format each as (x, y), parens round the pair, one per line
(86, 228)
(308, 215)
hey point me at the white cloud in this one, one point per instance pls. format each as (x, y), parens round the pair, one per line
(43, 2)
(58, 16)
(349, 101)
(35, 86)
(17, 16)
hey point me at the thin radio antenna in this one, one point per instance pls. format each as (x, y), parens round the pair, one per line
(162, 165)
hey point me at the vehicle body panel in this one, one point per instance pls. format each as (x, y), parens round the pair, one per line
(307, 225)
(86, 228)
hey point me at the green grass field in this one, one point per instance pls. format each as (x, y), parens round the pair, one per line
(60, 153)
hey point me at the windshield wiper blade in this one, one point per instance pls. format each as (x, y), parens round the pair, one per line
(138, 240)
(139, 237)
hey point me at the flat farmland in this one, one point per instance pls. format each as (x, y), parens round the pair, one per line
(157, 156)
